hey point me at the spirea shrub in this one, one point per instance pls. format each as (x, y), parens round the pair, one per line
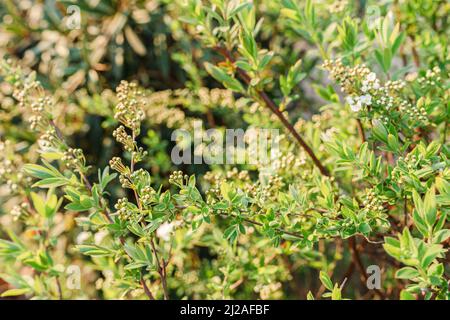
(352, 203)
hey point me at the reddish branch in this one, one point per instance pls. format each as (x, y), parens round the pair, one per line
(274, 108)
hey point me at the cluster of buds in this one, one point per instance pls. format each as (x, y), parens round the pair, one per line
(10, 162)
(213, 178)
(177, 178)
(216, 97)
(140, 179)
(384, 119)
(328, 134)
(20, 211)
(124, 138)
(364, 88)
(74, 158)
(116, 164)
(24, 88)
(262, 193)
(6, 168)
(37, 122)
(6, 165)
(122, 208)
(275, 181)
(348, 77)
(147, 194)
(385, 100)
(410, 163)
(129, 109)
(49, 140)
(431, 78)
(289, 161)
(415, 112)
(212, 194)
(40, 105)
(347, 223)
(394, 85)
(139, 154)
(372, 202)
(236, 174)
(12, 186)
(125, 182)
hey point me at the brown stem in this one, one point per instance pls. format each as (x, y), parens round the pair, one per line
(361, 132)
(405, 211)
(274, 108)
(161, 270)
(146, 289)
(58, 285)
(414, 52)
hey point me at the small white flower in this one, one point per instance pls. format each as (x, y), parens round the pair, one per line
(364, 88)
(328, 134)
(164, 231)
(366, 99)
(82, 237)
(350, 100)
(356, 107)
(376, 85)
(371, 76)
(99, 236)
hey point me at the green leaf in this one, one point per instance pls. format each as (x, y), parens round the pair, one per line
(407, 273)
(326, 281)
(38, 204)
(94, 250)
(432, 252)
(15, 292)
(405, 295)
(430, 207)
(224, 78)
(52, 182)
(441, 236)
(38, 171)
(336, 293)
(379, 131)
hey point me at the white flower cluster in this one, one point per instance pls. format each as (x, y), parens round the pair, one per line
(370, 83)
(165, 230)
(357, 102)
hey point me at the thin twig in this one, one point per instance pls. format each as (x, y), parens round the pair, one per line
(361, 132)
(146, 289)
(274, 108)
(161, 270)
(405, 211)
(58, 285)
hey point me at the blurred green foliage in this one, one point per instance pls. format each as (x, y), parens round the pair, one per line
(234, 231)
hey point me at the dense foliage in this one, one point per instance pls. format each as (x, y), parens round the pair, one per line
(354, 205)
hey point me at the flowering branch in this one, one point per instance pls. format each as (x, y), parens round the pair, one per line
(275, 109)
